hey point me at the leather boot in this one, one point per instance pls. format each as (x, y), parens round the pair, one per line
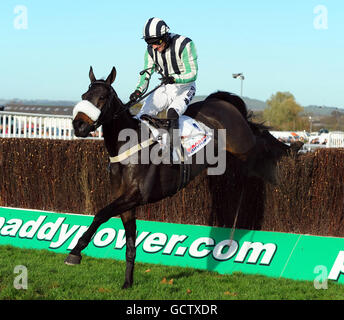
(173, 132)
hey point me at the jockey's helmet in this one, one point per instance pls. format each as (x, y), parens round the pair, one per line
(155, 31)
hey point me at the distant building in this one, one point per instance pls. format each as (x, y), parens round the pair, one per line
(51, 110)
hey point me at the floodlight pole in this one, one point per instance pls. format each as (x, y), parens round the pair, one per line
(241, 77)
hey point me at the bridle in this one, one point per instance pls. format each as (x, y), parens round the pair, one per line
(122, 107)
(107, 107)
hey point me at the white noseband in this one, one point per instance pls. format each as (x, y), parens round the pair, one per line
(87, 108)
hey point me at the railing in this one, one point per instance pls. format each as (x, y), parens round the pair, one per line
(27, 125)
(335, 139)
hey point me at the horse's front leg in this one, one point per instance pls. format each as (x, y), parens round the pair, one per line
(129, 222)
(115, 208)
(101, 217)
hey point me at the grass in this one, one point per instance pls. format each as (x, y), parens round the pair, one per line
(49, 278)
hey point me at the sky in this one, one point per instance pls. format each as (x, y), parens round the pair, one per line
(47, 46)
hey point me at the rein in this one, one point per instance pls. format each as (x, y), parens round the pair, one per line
(123, 107)
(130, 104)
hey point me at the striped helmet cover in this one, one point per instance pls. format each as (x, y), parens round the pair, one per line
(155, 28)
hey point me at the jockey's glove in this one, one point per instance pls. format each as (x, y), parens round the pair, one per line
(135, 95)
(167, 80)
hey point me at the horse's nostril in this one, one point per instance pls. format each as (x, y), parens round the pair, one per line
(77, 124)
(81, 128)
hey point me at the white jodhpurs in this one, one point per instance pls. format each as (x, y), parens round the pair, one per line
(176, 96)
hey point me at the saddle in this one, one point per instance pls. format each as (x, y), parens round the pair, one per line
(157, 122)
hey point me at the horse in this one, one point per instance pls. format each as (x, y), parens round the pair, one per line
(137, 184)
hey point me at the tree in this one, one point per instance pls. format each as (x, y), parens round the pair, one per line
(283, 112)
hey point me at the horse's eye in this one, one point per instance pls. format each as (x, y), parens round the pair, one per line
(101, 97)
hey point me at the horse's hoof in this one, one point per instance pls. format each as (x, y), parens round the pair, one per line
(72, 260)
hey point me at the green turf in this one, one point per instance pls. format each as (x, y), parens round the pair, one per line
(50, 278)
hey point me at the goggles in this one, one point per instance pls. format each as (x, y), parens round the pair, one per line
(154, 41)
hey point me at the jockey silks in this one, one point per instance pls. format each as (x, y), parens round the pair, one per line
(178, 60)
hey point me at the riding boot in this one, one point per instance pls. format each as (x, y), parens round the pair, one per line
(173, 131)
(174, 137)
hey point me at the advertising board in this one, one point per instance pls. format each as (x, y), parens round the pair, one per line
(274, 254)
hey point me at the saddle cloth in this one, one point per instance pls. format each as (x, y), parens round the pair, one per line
(194, 135)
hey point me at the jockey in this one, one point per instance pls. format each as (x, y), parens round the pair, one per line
(175, 58)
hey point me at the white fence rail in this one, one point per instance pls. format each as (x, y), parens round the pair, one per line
(27, 125)
(335, 139)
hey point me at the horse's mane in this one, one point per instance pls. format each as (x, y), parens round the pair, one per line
(238, 103)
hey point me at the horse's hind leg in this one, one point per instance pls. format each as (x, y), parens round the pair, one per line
(250, 149)
(129, 222)
(239, 137)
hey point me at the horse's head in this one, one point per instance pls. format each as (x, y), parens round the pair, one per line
(96, 106)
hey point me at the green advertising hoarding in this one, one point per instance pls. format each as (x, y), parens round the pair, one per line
(294, 256)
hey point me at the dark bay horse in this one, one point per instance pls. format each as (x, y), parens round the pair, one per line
(137, 184)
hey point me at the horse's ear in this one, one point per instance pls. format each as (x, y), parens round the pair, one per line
(91, 75)
(112, 76)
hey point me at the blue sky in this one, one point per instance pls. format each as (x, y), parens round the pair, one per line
(273, 42)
